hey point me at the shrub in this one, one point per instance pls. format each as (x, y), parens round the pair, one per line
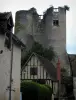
(49, 88)
(29, 90)
(45, 93)
(35, 91)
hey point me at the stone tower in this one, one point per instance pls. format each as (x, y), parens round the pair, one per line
(55, 31)
(23, 26)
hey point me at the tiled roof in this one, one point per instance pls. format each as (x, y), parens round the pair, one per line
(5, 15)
(18, 42)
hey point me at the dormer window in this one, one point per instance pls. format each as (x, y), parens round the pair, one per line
(56, 22)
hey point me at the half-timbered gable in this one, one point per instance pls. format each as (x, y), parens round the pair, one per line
(39, 69)
(34, 69)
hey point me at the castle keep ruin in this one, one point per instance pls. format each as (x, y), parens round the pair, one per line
(48, 31)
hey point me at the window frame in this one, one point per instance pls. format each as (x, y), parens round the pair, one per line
(33, 71)
(55, 22)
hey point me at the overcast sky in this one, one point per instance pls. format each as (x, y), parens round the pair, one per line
(41, 6)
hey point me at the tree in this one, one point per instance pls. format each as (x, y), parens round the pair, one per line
(39, 49)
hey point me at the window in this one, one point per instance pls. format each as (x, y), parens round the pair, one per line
(33, 71)
(55, 22)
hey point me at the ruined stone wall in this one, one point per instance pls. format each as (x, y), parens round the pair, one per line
(29, 26)
(43, 31)
(23, 25)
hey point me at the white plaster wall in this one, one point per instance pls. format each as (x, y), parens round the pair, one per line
(5, 64)
(4, 70)
(16, 72)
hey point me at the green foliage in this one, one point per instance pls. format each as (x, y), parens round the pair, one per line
(44, 93)
(35, 91)
(39, 49)
(49, 88)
